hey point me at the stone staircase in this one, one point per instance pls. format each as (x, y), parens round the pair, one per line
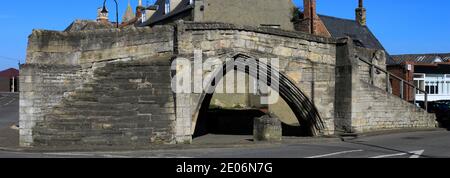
(95, 114)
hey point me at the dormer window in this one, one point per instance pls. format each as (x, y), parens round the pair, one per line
(167, 7)
(437, 60)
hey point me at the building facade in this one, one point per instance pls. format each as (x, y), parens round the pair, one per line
(9, 80)
(427, 72)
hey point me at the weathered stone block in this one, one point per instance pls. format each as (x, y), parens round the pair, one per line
(267, 128)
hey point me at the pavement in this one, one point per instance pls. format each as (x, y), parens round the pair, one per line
(429, 143)
(9, 116)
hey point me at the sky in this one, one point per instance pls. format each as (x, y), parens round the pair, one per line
(402, 26)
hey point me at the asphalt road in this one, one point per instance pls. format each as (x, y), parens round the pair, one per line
(9, 116)
(430, 144)
(9, 109)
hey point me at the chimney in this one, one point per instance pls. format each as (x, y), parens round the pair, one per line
(140, 10)
(309, 14)
(361, 13)
(311, 23)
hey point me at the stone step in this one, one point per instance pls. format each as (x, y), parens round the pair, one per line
(92, 112)
(91, 140)
(96, 106)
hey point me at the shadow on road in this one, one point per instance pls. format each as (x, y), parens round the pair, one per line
(386, 148)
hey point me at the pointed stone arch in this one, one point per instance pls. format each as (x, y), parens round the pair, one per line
(304, 109)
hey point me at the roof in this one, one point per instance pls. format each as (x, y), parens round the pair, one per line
(129, 14)
(421, 58)
(340, 28)
(361, 35)
(79, 25)
(160, 15)
(9, 73)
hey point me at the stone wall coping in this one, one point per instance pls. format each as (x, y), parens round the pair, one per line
(127, 30)
(57, 67)
(199, 26)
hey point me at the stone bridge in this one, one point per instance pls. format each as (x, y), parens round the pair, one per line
(113, 87)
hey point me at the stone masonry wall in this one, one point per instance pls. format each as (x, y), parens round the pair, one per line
(387, 111)
(62, 84)
(363, 106)
(128, 103)
(89, 46)
(308, 60)
(375, 109)
(42, 88)
(112, 87)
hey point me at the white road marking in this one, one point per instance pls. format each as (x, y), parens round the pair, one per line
(88, 155)
(3, 98)
(69, 154)
(415, 154)
(110, 155)
(337, 153)
(9, 102)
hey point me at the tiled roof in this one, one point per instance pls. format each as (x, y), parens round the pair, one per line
(160, 15)
(9, 73)
(361, 35)
(79, 25)
(344, 27)
(421, 58)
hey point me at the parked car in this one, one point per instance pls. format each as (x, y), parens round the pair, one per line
(442, 111)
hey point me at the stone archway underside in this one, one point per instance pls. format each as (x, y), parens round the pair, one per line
(307, 114)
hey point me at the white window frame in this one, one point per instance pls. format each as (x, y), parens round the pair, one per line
(167, 6)
(419, 80)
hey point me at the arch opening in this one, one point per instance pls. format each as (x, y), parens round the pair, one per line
(239, 121)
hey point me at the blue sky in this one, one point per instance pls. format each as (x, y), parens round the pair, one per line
(403, 26)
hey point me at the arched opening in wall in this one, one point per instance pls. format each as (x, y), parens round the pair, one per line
(234, 113)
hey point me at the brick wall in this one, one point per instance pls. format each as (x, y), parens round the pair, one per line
(5, 85)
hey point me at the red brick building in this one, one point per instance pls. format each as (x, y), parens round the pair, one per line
(9, 80)
(429, 72)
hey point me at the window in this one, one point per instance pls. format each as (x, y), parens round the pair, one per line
(419, 82)
(437, 60)
(432, 87)
(167, 7)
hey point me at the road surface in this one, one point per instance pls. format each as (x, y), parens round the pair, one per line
(9, 116)
(430, 144)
